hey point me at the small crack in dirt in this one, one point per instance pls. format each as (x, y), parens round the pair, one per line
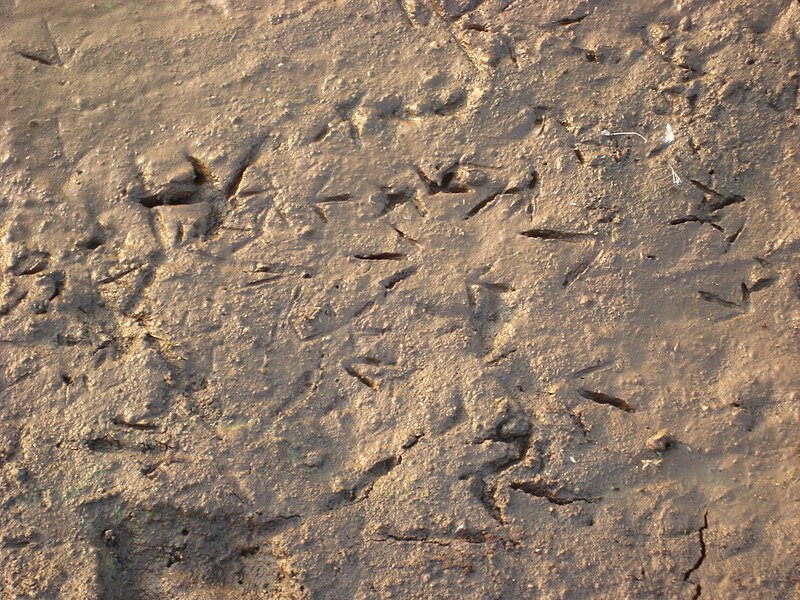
(540, 490)
(485, 492)
(699, 562)
(428, 537)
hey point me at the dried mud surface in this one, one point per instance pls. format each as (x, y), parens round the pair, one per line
(355, 299)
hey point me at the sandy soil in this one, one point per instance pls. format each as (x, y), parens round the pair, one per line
(378, 299)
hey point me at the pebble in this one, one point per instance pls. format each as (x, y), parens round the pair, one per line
(516, 427)
(661, 441)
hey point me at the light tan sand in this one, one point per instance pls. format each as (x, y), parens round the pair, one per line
(354, 299)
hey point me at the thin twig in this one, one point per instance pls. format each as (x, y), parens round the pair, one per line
(607, 133)
(675, 177)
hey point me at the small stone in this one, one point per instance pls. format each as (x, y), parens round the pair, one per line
(30, 262)
(661, 441)
(515, 427)
(313, 460)
(21, 474)
(109, 538)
